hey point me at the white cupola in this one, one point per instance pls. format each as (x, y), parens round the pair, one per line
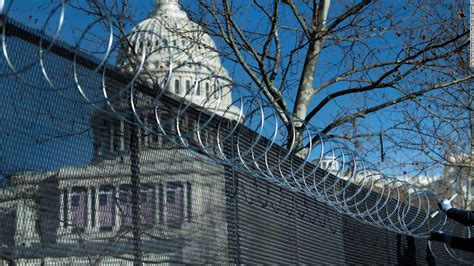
(171, 39)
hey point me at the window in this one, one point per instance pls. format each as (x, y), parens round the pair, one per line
(165, 42)
(161, 206)
(157, 137)
(184, 123)
(207, 89)
(146, 205)
(106, 208)
(117, 137)
(65, 207)
(141, 136)
(188, 86)
(78, 209)
(198, 91)
(125, 207)
(105, 139)
(122, 136)
(97, 147)
(472, 190)
(167, 122)
(195, 136)
(93, 201)
(174, 204)
(176, 86)
(112, 137)
(103, 199)
(189, 197)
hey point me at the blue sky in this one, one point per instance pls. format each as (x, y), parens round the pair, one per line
(42, 128)
(35, 15)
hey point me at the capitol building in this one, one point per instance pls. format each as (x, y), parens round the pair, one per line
(114, 164)
(178, 56)
(86, 215)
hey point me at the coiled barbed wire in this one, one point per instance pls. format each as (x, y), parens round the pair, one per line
(274, 151)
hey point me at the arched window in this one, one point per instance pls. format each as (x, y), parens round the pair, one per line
(176, 86)
(188, 86)
(198, 92)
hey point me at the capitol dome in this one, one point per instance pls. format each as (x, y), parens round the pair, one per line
(172, 40)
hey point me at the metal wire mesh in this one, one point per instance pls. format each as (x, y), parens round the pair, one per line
(145, 177)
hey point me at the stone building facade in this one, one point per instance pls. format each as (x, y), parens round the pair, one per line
(97, 213)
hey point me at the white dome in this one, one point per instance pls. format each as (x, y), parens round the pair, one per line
(169, 36)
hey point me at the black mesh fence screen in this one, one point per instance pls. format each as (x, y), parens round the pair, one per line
(83, 186)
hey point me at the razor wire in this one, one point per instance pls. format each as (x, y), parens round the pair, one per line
(287, 153)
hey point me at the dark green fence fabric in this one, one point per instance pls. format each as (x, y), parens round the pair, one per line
(81, 185)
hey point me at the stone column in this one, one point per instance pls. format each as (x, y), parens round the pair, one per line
(189, 200)
(117, 224)
(25, 233)
(185, 201)
(140, 134)
(145, 132)
(111, 138)
(95, 228)
(89, 209)
(68, 225)
(159, 203)
(122, 136)
(63, 217)
(61, 210)
(164, 200)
